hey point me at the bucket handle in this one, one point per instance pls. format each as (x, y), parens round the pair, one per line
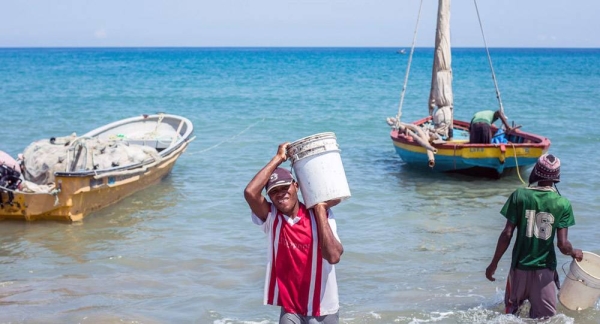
(291, 158)
(567, 275)
(580, 280)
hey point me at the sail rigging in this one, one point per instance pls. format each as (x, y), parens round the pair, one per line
(443, 143)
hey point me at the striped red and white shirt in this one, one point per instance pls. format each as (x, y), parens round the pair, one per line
(298, 278)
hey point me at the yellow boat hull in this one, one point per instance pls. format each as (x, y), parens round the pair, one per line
(80, 196)
(77, 193)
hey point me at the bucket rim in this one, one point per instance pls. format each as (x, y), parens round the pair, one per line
(314, 136)
(581, 268)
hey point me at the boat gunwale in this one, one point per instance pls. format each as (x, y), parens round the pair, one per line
(163, 154)
(537, 140)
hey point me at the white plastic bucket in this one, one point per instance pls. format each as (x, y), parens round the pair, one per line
(581, 287)
(317, 163)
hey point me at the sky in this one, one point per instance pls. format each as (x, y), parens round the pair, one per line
(294, 23)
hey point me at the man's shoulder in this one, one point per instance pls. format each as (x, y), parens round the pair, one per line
(542, 191)
(521, 191)
(524, 193)
(563, 201)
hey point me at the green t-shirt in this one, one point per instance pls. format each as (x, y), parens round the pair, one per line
(485, 116)
(537, 212)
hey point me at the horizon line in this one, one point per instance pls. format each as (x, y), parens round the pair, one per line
(282, 47)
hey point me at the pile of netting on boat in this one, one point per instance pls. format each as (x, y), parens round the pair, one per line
(43, 158)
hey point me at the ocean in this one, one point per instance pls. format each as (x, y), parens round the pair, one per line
(185, 251)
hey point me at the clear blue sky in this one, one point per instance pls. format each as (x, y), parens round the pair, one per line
(387, 23)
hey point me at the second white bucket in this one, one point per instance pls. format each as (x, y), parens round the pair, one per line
(317, 163)
(581, 287)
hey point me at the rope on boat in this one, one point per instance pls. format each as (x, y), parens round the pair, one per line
(489, 59)
(54, 192)
(412, 50)
(161, 116)
(415, 132)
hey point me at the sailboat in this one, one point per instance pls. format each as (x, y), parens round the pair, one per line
(441, 143)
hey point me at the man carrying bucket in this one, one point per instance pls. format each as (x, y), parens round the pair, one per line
(303, 246)
(538, 213)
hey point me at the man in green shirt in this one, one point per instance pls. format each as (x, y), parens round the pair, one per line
(480, 130)
(539, 213)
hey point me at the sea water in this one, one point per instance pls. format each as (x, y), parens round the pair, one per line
(185, 251)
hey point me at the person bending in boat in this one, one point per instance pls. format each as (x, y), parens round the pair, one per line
(480, 130)
(539, 213)
(303, 246)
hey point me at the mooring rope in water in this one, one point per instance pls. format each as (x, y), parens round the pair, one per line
(231, 138)
(517, 163)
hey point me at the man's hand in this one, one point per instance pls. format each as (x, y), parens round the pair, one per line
(489, 272)
(577, 255)
(282, 151)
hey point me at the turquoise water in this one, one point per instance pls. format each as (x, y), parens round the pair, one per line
(185, 251)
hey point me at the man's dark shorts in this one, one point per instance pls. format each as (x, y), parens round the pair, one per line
(537, 286)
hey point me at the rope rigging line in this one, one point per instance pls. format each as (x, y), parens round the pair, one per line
(412, 50)
(231, 138)
(489, 59)
(161, 116)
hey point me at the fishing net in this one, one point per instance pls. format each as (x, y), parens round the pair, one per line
(41, 159)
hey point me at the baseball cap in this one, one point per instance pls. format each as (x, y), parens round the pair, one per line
(279, 177)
